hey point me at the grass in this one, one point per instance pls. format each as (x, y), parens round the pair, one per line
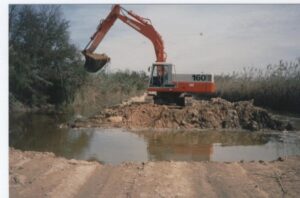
(276, 86)
(103, 90)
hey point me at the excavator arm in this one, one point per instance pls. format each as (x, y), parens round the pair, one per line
(95, 62)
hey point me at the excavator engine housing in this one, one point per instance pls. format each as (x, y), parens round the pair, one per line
(167, 87)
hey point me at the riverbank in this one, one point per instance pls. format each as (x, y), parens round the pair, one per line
(45, 175)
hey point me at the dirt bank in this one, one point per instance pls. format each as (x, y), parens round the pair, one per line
(215, 113)
(33, 174)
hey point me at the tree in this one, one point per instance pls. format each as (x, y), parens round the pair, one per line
(44, 67)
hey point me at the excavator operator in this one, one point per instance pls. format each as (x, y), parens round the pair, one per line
(161, 75)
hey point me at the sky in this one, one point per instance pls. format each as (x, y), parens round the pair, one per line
(198, 38)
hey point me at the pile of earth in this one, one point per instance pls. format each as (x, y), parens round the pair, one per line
(215, 113)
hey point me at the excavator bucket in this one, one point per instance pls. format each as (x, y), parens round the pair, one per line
(95, 62)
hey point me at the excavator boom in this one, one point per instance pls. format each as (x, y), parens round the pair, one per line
(95, 62)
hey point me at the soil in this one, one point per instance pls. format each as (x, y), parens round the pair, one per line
(94, 62)
(34, 174)
(215, 113)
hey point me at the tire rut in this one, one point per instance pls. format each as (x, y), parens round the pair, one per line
(235, 183)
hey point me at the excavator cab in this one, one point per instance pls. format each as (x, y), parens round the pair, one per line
(161, 75)
(162, 86)
(95, 62)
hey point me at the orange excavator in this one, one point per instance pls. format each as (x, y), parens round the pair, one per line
(164, 86)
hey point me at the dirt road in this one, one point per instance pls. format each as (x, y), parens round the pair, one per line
(34, 174)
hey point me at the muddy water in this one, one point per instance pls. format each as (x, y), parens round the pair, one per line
(41, 132)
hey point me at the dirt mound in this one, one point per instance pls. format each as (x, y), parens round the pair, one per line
(216, 113)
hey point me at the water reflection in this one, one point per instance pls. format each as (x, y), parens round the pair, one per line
(40, 132)
(115, 146)
(197, 146)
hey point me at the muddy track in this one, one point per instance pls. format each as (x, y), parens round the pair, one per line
(34, 174)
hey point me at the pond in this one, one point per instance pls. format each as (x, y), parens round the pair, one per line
(41, 132)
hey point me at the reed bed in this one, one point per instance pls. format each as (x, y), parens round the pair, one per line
(276, 86)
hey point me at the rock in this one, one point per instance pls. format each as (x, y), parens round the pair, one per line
(72, 124)
(73, 161)
(183, 123)
(289, 126)
(78, 117)
(225, 124)
(19, 179)
(280, 159)
(63, 126)
(253, 126)
(115, 119)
